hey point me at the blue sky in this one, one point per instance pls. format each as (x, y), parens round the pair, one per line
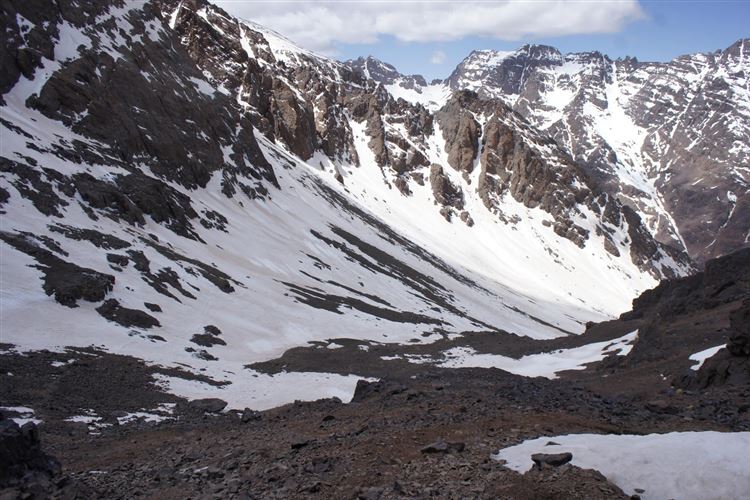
(432, 37)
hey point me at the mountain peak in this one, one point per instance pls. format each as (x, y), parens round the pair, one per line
(382, 72)
(504, 70)
(541, 52)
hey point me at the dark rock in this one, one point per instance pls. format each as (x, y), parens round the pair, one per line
(552, 459)
(68, 282)
(722, 281)
(739, 339)
(212, 330)
(206, 340)
(441, 446)
(466, 218)
(21, 454)
(113, 311)
(96, 238)
(117, 259)
(445, 192)
(365, 390)
(460, 131)
(203, 354)
(249, 415)
(152, 307)
(39, 186)
(207, 405)
(301, 444)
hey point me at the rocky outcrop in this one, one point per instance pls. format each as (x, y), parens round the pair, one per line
(26, 471)
(445, 192)
(722, 281)
(68, 282)
(730, 366)
(125, 316)
(682, 316)
(207, 405)
(21, 452)
(461, 132)
(542, 460)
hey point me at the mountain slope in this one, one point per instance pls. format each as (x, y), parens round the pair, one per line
(198, 192)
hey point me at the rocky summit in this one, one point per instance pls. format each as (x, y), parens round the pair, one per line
(235, 268)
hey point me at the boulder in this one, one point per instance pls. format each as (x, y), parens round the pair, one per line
(208, 405)
(21, 455)
(249, 415)
(441, 446)
(551, 459)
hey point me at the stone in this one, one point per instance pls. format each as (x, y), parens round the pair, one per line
(21, 454)
(552, 459)
(207, 405)
(249, 415)
(441, 446)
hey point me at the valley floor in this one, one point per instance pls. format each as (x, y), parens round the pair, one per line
(378, 446)
(435, 420)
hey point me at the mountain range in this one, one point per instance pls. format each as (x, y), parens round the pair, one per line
(195, 207)
(669, 140)
(167, 165)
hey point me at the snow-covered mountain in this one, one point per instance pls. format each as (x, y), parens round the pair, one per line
(197, 191)
(671, 140)
(413, 88)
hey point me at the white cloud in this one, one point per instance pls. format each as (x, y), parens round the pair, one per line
(438, 57)
(320, 25)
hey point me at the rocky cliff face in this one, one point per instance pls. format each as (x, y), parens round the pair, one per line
(693, 336)
(668, 139)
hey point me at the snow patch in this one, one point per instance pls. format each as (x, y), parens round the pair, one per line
(664, 465)
(546, 364)
(25, 414)
(265, 391)
(701, 356)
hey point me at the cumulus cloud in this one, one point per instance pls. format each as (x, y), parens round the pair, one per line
(321, 25)
(438, 57)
